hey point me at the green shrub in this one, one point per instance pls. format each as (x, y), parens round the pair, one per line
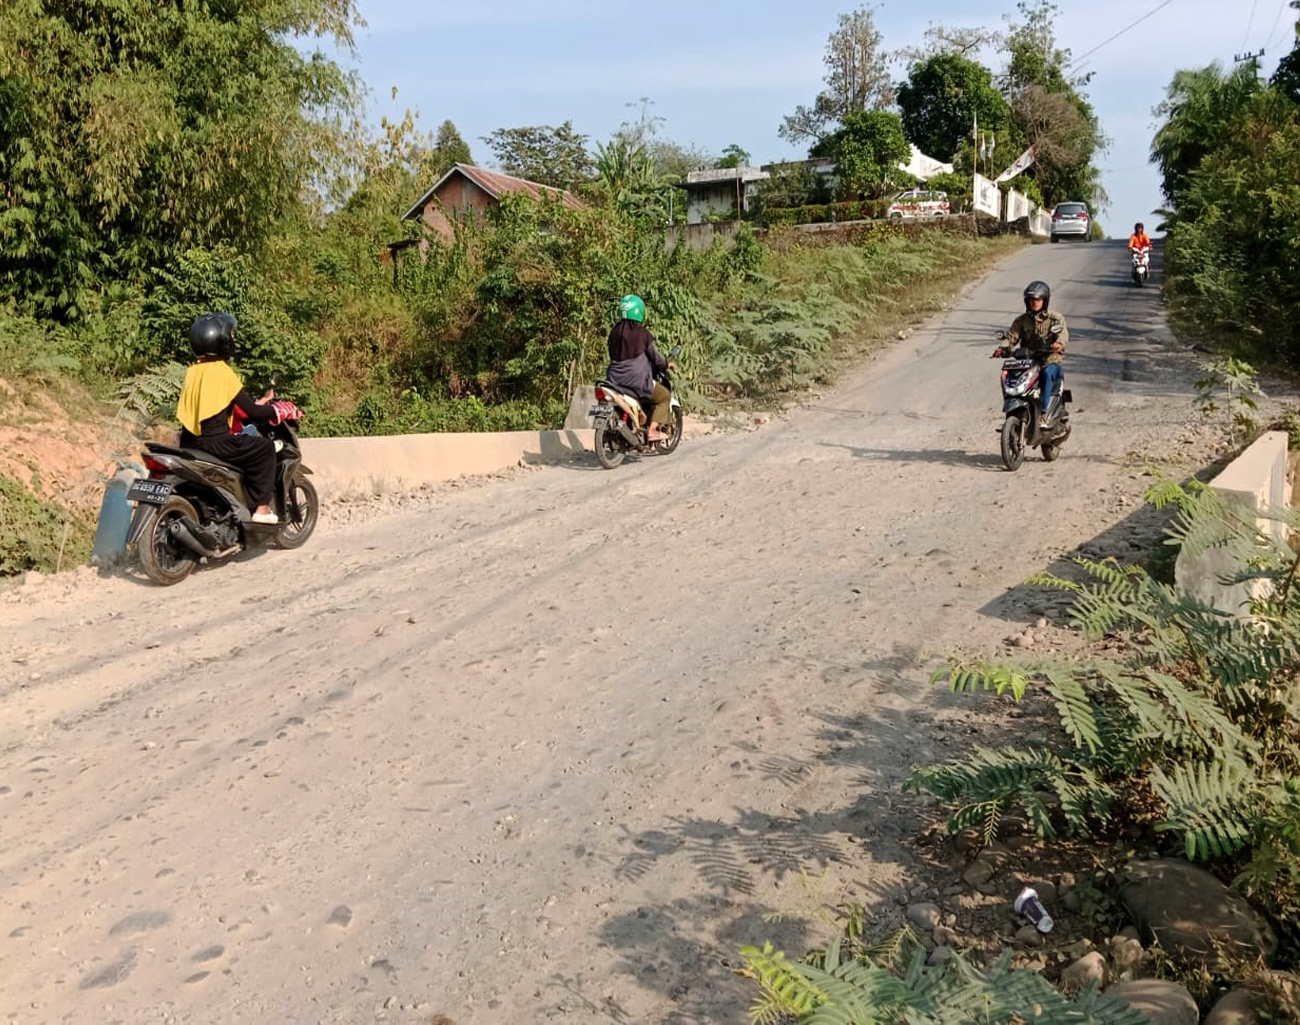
(1196, 733)
(40, 535)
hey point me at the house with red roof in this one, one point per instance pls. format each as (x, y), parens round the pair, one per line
(468, 189)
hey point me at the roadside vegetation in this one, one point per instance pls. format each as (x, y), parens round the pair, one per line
(1227, 148)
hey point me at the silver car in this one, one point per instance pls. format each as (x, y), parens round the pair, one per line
(1071, 219)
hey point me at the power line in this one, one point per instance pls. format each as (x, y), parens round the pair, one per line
(1250, 23)
(1276, 21)
(1111, 39)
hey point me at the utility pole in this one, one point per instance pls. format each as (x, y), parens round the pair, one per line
(1239, 58)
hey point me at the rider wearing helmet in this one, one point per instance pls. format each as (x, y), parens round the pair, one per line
(1139, 239)
(1033, 329)
(205, 409)
(633, 360)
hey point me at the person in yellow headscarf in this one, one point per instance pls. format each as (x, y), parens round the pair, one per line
(205, 409)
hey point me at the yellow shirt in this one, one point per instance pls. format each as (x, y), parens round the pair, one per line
(208, 389)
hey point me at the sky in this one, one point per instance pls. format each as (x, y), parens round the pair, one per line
(727, 72)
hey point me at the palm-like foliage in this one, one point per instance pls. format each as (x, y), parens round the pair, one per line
(1199, 109)
(1196, 732)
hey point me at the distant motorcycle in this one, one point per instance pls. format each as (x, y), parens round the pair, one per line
(1141, 266)
(1021, 400)
(193, 506)
(622, 422)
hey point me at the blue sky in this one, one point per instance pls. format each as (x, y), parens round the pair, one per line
(727, 72)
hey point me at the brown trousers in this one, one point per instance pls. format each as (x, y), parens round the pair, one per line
(663, 412)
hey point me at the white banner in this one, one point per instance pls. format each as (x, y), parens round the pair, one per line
(1022, 162)
(987, 197)
(1018, 206)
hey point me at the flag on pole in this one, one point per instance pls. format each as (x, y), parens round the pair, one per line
(1021, 163)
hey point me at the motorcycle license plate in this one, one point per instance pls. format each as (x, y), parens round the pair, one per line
(154, 492)
(600, 410)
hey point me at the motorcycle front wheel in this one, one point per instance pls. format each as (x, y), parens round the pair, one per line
(162, 563)
(609, 446)
(1013, 442)
(298, 526)
(669, 445)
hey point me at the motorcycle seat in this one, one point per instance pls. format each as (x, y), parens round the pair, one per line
(189, 453)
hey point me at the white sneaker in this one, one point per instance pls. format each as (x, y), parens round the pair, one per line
(269, 517)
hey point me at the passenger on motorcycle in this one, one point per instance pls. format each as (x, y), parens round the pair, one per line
(1138, 240)
(1033, 330)
(205, 410)
(633, 360)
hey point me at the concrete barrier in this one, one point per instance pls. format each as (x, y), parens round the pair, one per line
(1251, 483)
(344, 467)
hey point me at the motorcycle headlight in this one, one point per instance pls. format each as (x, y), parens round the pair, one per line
(1020, 384)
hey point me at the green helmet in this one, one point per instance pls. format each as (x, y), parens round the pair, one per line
(632, 308)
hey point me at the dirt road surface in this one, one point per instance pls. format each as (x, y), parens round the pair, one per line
(548, 748)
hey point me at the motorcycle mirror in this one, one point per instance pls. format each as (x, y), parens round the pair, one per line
(1055, 329)
(274, 382)
(1000, 335)
(676, 350)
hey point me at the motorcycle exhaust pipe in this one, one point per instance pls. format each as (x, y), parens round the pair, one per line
(628, 435)
(188, 533)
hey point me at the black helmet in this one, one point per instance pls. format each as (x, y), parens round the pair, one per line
(213, 334)
(1038, 290)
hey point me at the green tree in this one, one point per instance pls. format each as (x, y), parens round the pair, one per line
(1049, 110)
(130, 131)
(733, 156)
(555, 156)
(857, 78)
(942, 97)
(450, 148)
(867, 152)
(1200, 111)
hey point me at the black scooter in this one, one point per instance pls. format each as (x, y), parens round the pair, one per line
(194, 506)
(1022, 377)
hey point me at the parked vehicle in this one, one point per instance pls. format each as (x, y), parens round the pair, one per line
(919, 203)
(1021, 404)
(1141, 265)
(1071, 220)
(622, 421)
(193, 506)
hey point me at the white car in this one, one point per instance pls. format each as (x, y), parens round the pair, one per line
(917, 203)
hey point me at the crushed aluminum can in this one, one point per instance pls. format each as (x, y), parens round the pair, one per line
(1031, 907)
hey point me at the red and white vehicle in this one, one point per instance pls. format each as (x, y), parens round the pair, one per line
(918, 203)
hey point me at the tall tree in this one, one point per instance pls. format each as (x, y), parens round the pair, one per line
(1048, 108)
(950, 41)
(132, 130)
(1287, 75)
(733, 156)
(555, 156)
(942, 97)
(1200, 109)
(867, 151)
(450, 148)
(857, 78)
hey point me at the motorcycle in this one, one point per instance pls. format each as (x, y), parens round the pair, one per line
(622, 422)
(193, 506)
(1021, 400)
(1141, 266)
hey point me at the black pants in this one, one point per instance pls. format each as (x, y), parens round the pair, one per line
(253, 454)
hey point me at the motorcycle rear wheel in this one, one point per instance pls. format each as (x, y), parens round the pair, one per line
(162, 563)
(609, 446)
(293, 532)
(1013, 442)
